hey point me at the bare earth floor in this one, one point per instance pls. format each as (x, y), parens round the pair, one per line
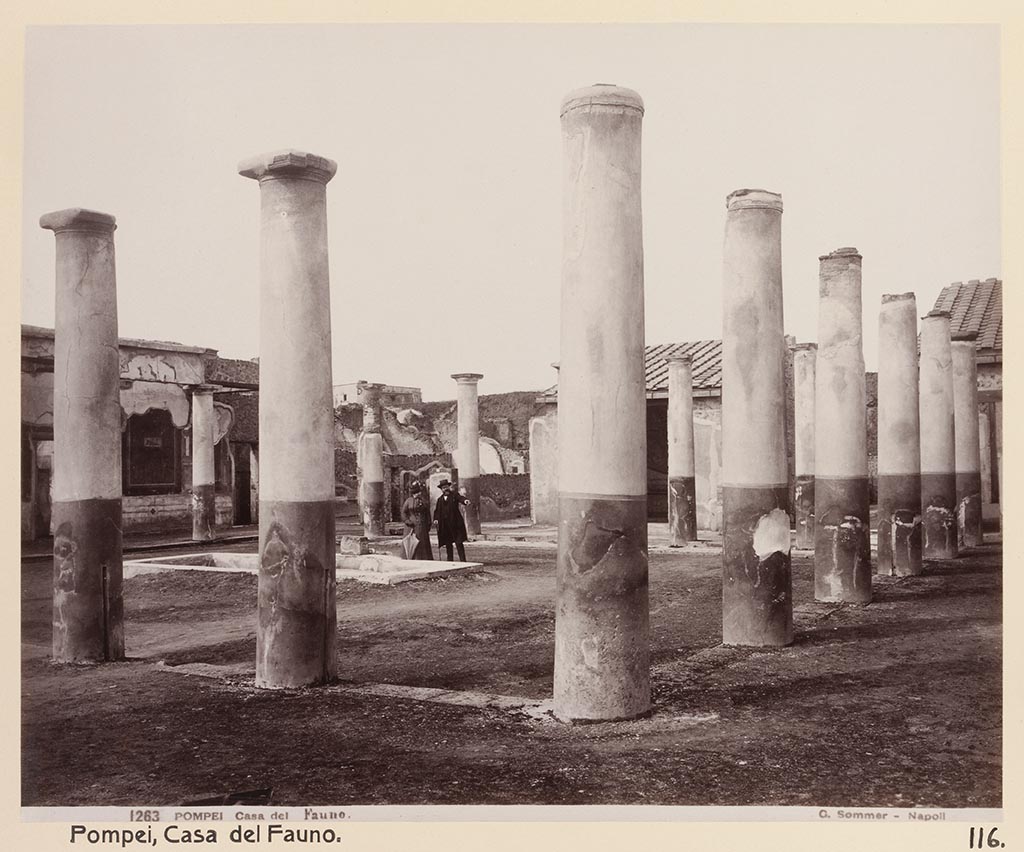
(893, 704)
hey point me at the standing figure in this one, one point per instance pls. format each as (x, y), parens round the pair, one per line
(451, 528)
(416, 515)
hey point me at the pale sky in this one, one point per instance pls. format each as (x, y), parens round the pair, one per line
(445, 213)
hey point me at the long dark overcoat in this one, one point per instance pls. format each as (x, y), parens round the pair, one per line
(450, 526)
(416, 515)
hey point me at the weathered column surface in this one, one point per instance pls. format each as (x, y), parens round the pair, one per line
(968, 443)
(468, 452)
(295, 635)
(757, 599)
(899, 438)
(842, 538)
(371, 462)
(804, 357)
(938, 443)
(601, 614)
(203, 473)
(682, 495)
(88, 610)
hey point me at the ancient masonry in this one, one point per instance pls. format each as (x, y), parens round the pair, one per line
(467, 456)
(842, 543)
(88, 609)
(757, 598)
(370, 461)
(968, 446)
(804, 357)
(682, 495)
(938, 445)
(295, 635)
(601, 615)
(899, 441)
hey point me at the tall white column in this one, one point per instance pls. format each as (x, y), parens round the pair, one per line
(682, 497)
(203, 473)
(295, 635)
(804, 359)
(968, 442)
(371, 462)
(88, 609)
(467, 456)
(601, 613)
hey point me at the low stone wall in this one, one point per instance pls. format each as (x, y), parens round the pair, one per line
(504, 496)
(167, 512)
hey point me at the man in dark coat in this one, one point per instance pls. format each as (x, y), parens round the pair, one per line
(451, 528)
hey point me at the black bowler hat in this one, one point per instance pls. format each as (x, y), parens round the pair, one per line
(444, 483)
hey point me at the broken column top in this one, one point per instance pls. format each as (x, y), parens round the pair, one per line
(897, 297)
(847, 251)
(742, 199)
(804, 347)
(937, 315)
(467, 378)
(78, 219)
(290, 163)
(964, 337)
(685, 358)
(602, 95)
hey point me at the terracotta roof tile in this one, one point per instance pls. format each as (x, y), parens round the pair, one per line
(975, 307)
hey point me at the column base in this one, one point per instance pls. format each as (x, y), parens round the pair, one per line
(472, 486)
(296, 615)
(938, 502)
(373, 508)
(88, 607)
(803, 505)
(203, 512)
(602, 670)
(757, 586)
(842, 540)
(899, 525)
(968, 514)
(682, 510)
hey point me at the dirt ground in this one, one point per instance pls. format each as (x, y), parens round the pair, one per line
(897, 703)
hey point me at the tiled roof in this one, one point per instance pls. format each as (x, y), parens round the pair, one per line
(707, 366)
(975, 307)
(231, 371)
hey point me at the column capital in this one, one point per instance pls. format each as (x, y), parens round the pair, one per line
(744, 199)
(841, 253)
(78, 219)
(602, 95)
(204, 390)
(685, 358)
(290, 163)
(467, 378)
(898, 297)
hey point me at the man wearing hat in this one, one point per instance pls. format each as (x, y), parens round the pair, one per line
(451, 528)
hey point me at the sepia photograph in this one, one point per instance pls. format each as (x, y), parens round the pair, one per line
(570, 421)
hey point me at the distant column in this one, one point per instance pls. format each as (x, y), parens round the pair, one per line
(842, 540)
(203, 473)
(544, 463)
(601, 614)
(468, 453)
(938, 442)
(899, 439)
(804, 357)
(757, 597)
(968, 443)
(295, 633)
(371, 461)
(88, 610)
(682, 497)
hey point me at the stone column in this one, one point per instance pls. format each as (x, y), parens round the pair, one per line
(938, 442)
(468, 453)
(842, 538)
(899, 439)
(804, 358)
(968, 443)
(295, 634)
(88, 610)
(371, 462)
(203, 473)
(544, 463)
(601, 611)
(682, 497)
(757, 597)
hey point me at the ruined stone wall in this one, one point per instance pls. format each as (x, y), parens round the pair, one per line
(504, 496)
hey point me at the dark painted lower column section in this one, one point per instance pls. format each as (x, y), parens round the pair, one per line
(803, 500)
(203, 512)
(601, 620)
(295, 633)
(88, 608)
(968, 493)
(938, 505)
(374, 497)
(757, 588)
(899, 525)
(682, 510)
(842, 539)
(472, 486)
